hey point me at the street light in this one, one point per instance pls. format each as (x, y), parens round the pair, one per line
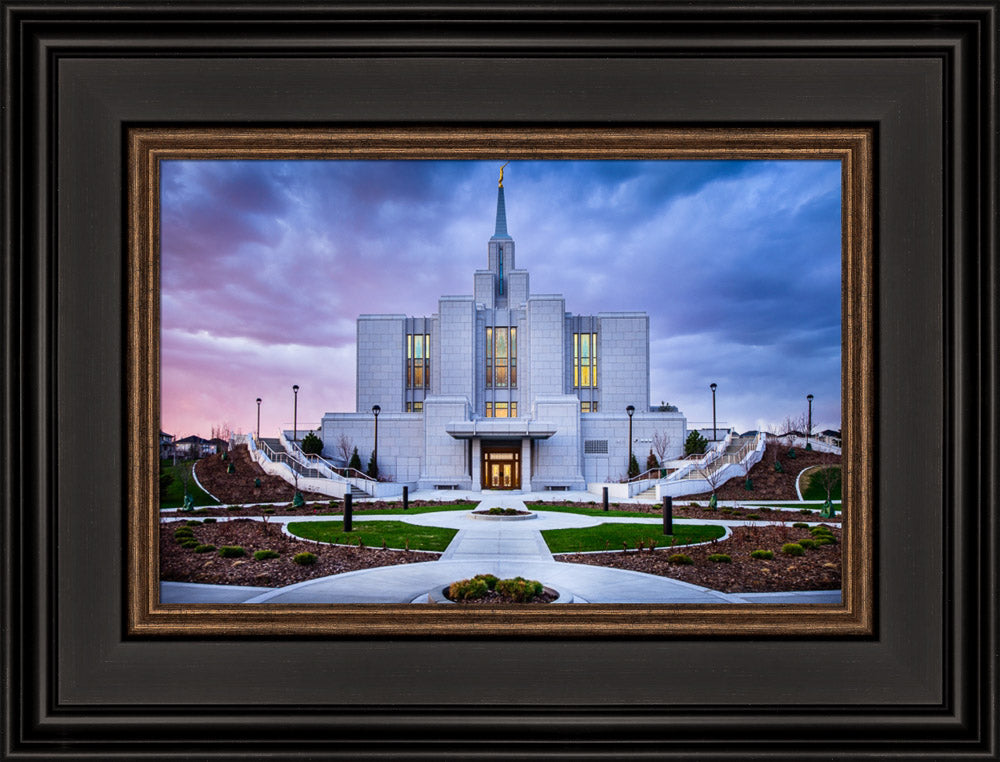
(713, 387)
(630, 410)
(258, 418)
(295, 415)
(376, 409)
(810, 426)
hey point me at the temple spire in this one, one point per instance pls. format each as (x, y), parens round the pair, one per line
(501, 226)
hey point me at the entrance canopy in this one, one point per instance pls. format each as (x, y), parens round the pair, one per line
(500, 428)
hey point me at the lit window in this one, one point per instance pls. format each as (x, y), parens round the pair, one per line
(418, 363)
(501, 358)
(584, 360)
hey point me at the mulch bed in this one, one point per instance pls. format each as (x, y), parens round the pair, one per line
(818, 569)
(769, 484)
(314, 507)
(239, 487)
(179, 564)
(684, 510)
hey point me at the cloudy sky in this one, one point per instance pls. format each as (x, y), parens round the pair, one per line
(266, 265)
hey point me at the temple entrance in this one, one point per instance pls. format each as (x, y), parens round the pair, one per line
(501, 466)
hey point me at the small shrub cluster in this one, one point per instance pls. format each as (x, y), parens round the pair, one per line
(720, 558)
(468, 589)
(753, 515)
(520, 589)
(263, 555)
(204, 548)
(192, 523)
(305, 559)
(800, 525)
(498, 511)
(210, 520)
(763, 555)
(792, 549)
(681, 559)
(189, 544)
(232, 551)
(823, 535)
(807, 543)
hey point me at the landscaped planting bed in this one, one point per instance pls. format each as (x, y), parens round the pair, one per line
(817, 568)
(180, 564)
(328, 507)
(769, 484)
(684, 509)
(239, 487)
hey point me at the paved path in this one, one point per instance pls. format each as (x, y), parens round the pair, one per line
(504, 548)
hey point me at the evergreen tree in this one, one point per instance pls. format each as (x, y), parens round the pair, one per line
(633, 467)
(355, 462)
(372, 467)
(695, 443)
(651, 461)
(312, 444)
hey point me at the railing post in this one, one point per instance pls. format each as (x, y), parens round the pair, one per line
(348, 510)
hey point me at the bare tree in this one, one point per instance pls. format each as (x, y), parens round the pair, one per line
(828, 479)
(344, 447)
(713, 476)
(223, 431)
(662, 443)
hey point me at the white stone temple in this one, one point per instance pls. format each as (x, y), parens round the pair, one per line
(503, 389)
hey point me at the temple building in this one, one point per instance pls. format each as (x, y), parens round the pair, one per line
(503, 388)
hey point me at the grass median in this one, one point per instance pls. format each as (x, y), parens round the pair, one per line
(395, 534)
(611, 536)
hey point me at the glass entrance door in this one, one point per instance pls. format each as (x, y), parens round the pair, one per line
(501, 467)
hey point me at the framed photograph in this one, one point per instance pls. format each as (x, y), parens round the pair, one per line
(100, 99)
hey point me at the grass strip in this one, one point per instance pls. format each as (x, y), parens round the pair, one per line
(373, 533)
(611, 536)
(173, 497)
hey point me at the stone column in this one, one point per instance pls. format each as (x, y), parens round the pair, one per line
(477, 459)
(526, 464)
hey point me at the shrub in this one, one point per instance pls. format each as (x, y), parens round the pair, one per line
(821, 529)
(234, 507)
(232, 551)
(807, 544)
(183, 534)
(489, 579)
(519, 588)
(764, 555)
(192, 523)
(753, 515)
(651, 461)
(681, 559)
(188, 544)
(204, 549)
(269, 510)
(355, 461)
(800, 525)
(720, 558)
(792, 549)
(822, 539)
(263, 555)
(311, 444)
(210, 520)
(633, 466)
(305, 559)
(467, 589)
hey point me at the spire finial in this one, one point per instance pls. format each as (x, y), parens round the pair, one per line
(500, 183)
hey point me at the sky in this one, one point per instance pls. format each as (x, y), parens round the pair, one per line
(266, 265)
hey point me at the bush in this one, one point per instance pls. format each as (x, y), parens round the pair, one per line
(694, 444)
(792, 549)
(720, 558)
(763, 555)
(355, 461)
(263, 555)
(232, 551)
(753, 515)
(633, 466)
(520, 589)
(204, 549)
(269, 510)
(210, 520)
(311, 444)
(467, 589)
(234, 507)
(651, 461)
(372, 467)
(822, 539)
(188, 544)
(800, 525)
(183, 534)
(807, 544)
(192, 523)
(681, 559)
(489, 579)
(305, 559)
(821, 529)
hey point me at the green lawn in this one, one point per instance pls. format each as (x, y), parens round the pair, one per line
(611, 536)
(359, 509)
(812, 488)
(372, 533)
(174, 495)
(587, 509)
(799, 506)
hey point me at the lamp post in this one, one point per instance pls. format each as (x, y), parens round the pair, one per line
(295, 414)
(809, 427)
(258, 418)
(630, 410)
(713, 387)
(376, 409)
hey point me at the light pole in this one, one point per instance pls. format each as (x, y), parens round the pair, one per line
(630, 410)
(376, 409)
(713, 387)
(295, 414)
(258, 418)
(810, 424)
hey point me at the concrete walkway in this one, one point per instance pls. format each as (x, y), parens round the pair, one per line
(504, 548)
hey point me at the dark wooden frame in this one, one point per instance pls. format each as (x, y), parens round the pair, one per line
(922, 76)
(148, 146)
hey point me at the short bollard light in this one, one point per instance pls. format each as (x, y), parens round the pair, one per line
(605, 494)
(668, 514)
(348, 511)
(406, 497)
